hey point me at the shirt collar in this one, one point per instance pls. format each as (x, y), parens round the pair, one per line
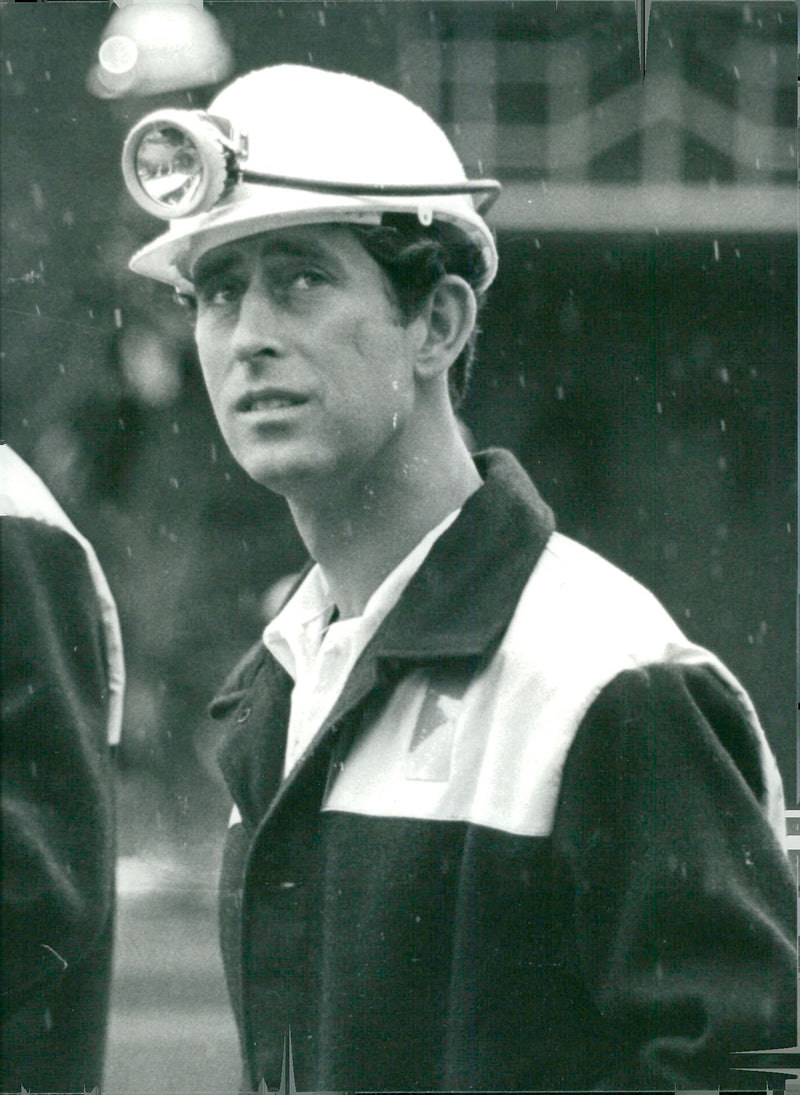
(295, 635)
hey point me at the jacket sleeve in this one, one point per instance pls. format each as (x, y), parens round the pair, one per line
(57, 822)
(683, 924)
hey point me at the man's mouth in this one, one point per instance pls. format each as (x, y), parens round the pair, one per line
(269, 401)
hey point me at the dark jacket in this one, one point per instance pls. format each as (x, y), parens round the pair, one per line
(530, 848)
(57, 807)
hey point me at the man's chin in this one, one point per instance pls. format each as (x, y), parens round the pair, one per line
(287, 477)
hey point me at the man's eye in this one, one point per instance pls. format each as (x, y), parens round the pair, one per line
(216, 293)
(285, 275)
(306, 279)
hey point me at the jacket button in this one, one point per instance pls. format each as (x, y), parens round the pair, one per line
(243, 715)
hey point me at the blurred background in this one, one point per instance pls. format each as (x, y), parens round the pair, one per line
(638, 354)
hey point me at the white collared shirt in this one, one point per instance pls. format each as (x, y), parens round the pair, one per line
(318, 654)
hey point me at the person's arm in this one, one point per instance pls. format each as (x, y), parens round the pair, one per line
(57, 819)
(684, 920)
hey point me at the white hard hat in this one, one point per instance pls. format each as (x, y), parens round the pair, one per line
(310, 124)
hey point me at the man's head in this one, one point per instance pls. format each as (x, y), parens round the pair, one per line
(330, 154)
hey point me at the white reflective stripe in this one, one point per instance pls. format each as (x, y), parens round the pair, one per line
(23, 494)
(235, 818)
(502, 745)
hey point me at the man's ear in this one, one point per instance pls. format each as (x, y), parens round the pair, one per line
(449, 313)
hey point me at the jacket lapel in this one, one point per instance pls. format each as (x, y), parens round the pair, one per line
(254, 711)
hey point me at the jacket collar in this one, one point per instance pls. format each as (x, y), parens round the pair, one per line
(462, 598)
(457, 605)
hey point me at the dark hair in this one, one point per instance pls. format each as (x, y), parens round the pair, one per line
(414, 258)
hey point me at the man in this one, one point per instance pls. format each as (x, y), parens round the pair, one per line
(498, 823)
(62, 683)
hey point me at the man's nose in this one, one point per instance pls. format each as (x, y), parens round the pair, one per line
(257, 333)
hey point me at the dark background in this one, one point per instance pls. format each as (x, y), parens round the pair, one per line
(647, 380)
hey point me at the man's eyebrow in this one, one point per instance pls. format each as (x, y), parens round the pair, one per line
(297, 248)
(208, 268)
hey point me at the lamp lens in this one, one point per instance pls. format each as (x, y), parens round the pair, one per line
(168, 165)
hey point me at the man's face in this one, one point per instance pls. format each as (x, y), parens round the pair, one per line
(309, 370)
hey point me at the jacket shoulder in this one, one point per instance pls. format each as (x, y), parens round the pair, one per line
(579, 610)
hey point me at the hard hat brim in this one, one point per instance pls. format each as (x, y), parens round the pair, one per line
(253, 209)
